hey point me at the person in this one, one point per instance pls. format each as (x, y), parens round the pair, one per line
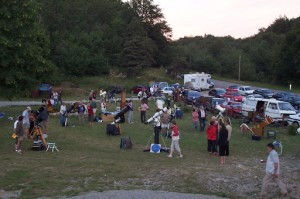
(90, 114)
(165, 119)
(94, 105)
(62, 115)
(20, 134)
(103, 106)
(25, 120)
(175, 140)
(195, 119)
(223, 143)
(81, 110)
(144, 107)
(202, 118)
(211, 133)
(272, 172)
(130, 112)
(43, 117)
(15, 127)
(229, 129)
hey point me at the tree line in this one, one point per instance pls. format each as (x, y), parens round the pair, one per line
(41, 39)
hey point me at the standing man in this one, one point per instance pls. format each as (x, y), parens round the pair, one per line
(20, 134)
(202, 118)
(130, 112)
(26, 121)
(62, 114)
(272, 172)
(144, 108)
(165, 119)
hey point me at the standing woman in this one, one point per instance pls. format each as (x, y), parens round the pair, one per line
(223, 143)
(195, 118)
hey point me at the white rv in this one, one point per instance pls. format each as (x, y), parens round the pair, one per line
(273, 108)
(198, 81)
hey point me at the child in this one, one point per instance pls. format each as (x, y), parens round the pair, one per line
(175, 140)
(90, 114)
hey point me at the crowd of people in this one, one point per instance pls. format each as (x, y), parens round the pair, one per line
(218, 130)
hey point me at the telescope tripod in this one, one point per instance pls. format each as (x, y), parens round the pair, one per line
(162, 148)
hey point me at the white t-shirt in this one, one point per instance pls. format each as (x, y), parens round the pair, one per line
(15, 124)
(272, 158)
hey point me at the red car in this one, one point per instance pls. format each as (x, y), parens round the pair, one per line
(232, 88)
(233, 96)
(138, 88)
(233, 109)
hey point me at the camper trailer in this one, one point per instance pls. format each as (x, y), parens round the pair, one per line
(277, 110)
(197, 81)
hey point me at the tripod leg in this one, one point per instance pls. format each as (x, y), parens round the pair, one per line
(163, 141)
(149, 141)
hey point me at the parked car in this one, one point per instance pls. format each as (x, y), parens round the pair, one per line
(294, 100)
(273, 108)
(253, 96)
(217, 92)
(138, 88)
(192, 96)
(245, 90)
(211, 83)
(294, 120)
(233, 96)
(266, 93)
(233, 109)
(281, 94)
(45, 89)
(210, 104)
(232, 88)
(175, 86)
(167, 90)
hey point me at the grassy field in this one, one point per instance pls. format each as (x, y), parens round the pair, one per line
(89, 160)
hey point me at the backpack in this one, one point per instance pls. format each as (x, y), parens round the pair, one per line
(111, 129)
(126, 143)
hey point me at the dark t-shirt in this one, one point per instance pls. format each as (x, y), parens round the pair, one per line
(223, 137)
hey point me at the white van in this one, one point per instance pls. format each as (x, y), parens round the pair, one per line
(273, 108)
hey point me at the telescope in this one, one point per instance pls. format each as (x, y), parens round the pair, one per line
(219, 108)
(119, 117)
(156, 115)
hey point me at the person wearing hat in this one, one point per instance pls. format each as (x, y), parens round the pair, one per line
(26, 121)
(272, 172)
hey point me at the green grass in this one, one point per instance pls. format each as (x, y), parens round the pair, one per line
(89, 160)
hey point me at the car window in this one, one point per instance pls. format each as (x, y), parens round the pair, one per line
(285, 106)
(272, 106)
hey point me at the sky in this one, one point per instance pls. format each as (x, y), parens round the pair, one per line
(237, 18)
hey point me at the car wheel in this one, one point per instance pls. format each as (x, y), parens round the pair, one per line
(296, 124)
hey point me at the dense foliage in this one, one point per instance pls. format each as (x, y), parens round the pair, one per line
(272, 55)
(40, 39)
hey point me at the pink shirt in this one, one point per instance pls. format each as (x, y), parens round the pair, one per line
(195, 116)
(144, 107)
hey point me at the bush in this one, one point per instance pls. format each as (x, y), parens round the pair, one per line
(292, 130)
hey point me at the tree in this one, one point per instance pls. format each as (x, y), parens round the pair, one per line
(156, 27)
(24, 49)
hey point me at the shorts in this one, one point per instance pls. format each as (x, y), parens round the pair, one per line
(163, 126)
(20, 138)
(26, 125)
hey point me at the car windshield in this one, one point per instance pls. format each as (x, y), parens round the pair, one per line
(220, 91)
(248, 88)
(218, 101)
(285, 106)
(237, 105)
(194, 94)
(267, 91)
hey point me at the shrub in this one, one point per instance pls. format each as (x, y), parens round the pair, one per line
(292, 130)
